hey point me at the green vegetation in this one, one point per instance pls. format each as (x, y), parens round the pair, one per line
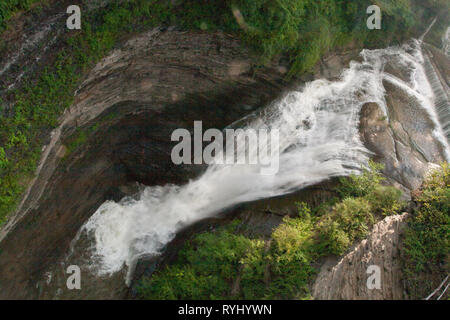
(209, 264)
(302, 31)
(79, 138)
(349, 220)
(382, 199)
(361, 185)
(41, 99)
(363, 198)
(226, 263)
(426, 259)
(9, 7)
(299, 32)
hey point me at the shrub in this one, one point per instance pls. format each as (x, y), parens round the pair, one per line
(292, 240)
(350, 220)
(292, 253)
(437, 179)
(385, 200)
(354, 216)
(3, 158)
(334, 240)
(207, 266)
(304, 211)
(178, 283)
(361, 185)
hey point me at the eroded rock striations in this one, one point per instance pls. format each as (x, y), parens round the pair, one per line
(348, 278)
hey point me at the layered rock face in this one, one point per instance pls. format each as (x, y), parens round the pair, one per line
(348, 279)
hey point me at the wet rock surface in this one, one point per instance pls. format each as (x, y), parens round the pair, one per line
(403, 140)
(403, 156)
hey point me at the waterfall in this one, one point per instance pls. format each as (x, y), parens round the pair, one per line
(439, 86)
(441, 98)
(318, 139)
(446, 42)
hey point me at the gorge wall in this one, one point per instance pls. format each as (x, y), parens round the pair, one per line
(137, 96)
(116, 138)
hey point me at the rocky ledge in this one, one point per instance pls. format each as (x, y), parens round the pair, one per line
(347, 279)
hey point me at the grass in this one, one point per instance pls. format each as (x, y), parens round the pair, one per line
(298, 31)
(227, 264)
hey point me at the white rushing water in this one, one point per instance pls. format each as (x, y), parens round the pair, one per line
(441, 96)
(446, 42)
(319, 139)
